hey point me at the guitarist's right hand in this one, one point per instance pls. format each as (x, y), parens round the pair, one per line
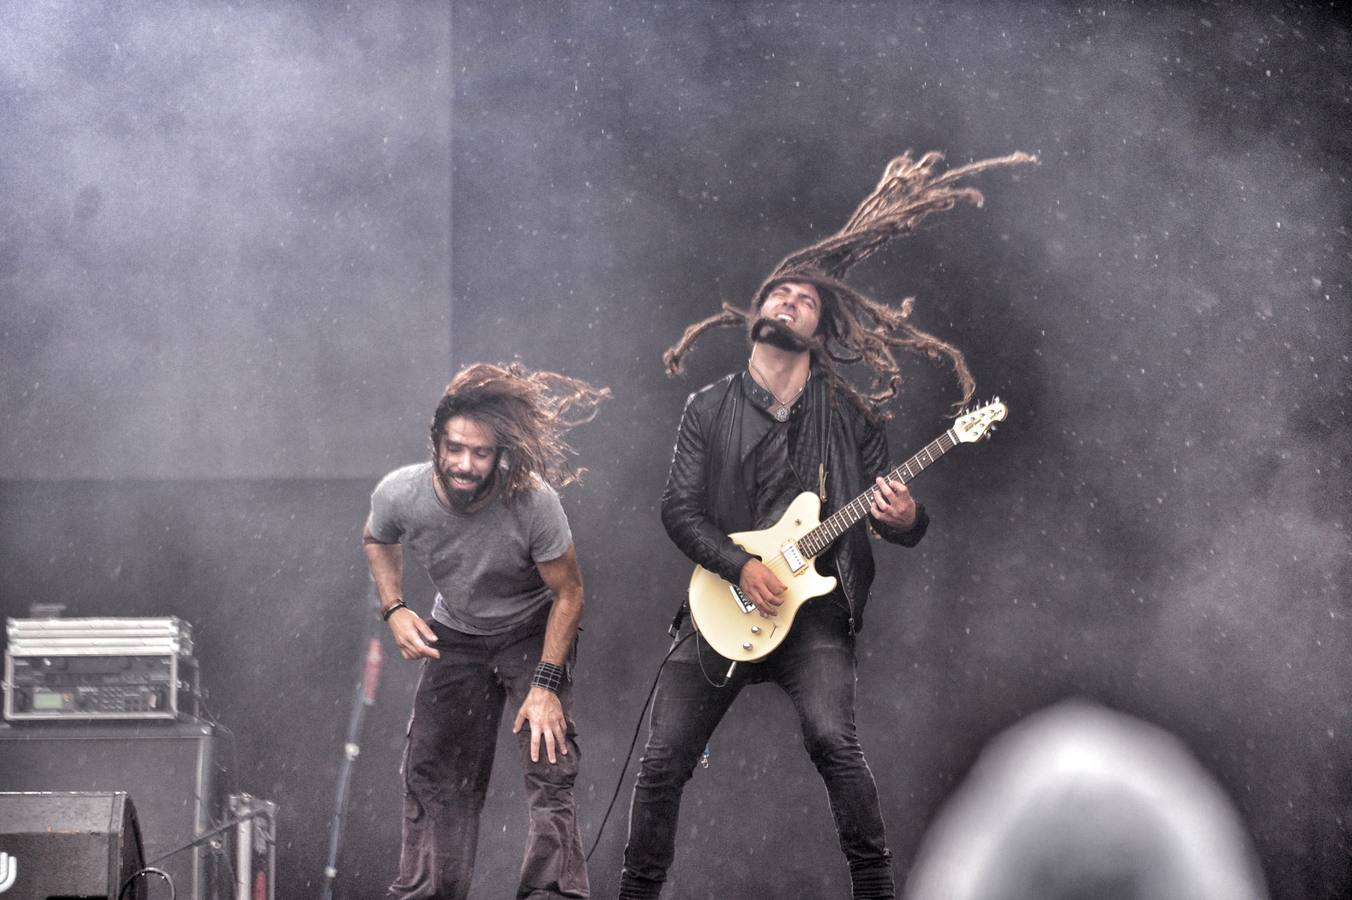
(762, 587)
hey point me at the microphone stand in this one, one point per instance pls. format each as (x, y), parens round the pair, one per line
(364, 696)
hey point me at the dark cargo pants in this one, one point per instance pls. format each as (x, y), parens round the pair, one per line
(452, 736)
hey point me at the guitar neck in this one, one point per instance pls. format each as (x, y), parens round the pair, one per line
(816, 541)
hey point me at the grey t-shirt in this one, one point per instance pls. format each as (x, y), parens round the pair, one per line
(482, 563)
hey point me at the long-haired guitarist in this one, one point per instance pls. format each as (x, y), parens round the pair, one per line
(786, 423)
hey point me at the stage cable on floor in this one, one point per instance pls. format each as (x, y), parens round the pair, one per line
(141, 873)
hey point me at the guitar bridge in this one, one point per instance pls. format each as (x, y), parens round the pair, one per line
(746, 605)
(791, 556)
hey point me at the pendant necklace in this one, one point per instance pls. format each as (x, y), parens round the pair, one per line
(782, 413)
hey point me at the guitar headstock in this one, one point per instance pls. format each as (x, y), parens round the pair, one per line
(978, 423)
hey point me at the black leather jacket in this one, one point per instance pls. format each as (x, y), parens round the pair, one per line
(705, 499)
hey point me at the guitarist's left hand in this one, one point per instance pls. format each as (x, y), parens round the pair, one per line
(893, 505)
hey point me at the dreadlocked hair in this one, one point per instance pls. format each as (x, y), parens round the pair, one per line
(855, 328)
(528, 413)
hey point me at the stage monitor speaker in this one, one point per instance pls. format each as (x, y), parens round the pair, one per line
(173, 771)
(69, 845)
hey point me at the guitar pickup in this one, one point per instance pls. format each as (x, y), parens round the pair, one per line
(791, 556)
(746, 605)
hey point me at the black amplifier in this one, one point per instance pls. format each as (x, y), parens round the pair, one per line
(88, 669)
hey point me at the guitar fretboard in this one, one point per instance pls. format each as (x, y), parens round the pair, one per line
(815, 542)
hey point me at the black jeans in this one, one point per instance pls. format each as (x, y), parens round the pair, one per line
(816, 667)
(452, 736)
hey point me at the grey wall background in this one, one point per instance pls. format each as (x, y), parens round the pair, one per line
(225, 235)
(242, 247)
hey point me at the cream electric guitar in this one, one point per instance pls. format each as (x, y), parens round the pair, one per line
(728, 620)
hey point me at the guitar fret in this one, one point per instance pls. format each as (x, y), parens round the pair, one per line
(820, 538)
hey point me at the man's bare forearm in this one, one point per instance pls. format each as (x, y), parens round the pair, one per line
(386, 562)
(561, 629)
(565, 579)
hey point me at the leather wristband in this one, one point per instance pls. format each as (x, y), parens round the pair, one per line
(547, 676)
(392, 609)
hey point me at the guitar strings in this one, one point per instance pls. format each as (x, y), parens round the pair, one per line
(779, 565)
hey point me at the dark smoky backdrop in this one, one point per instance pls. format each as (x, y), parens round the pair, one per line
(243, 246)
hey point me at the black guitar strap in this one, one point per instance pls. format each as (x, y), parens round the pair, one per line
(826, 414)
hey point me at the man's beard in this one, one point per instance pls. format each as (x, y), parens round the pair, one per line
(463, 498)
(775, 333)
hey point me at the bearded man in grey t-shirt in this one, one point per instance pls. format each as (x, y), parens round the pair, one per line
(484, 520)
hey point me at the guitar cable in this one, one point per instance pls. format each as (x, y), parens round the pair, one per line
(652, 691)
(727, 676)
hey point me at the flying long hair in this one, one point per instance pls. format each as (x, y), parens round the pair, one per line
(856, 328)
(528, 413)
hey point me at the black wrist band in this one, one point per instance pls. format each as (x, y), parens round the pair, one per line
(391, 609)
(547, 676)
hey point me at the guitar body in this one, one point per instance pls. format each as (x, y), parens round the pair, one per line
(732, 625)
(725, 622)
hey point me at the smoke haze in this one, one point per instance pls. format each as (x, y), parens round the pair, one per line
(243, 247)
